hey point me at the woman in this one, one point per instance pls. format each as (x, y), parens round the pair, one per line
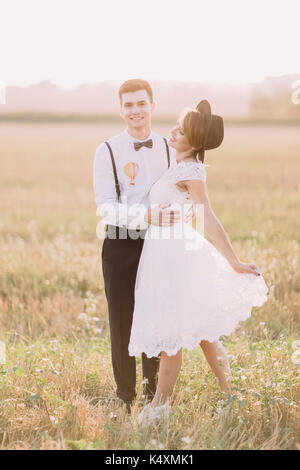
(189, 292)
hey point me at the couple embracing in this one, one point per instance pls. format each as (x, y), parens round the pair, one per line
(166, 292)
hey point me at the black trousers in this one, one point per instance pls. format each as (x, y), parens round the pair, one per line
(120, 259)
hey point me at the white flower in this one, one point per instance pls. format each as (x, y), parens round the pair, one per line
(97, 330)
(93, 308)
(186, 439)
(82, 316)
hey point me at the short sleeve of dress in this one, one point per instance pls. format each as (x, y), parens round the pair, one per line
(189, 171)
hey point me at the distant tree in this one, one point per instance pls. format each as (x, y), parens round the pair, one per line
(278, 105)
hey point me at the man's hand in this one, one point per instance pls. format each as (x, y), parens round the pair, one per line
(162, 216)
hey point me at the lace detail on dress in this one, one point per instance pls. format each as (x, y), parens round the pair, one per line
(184, 171)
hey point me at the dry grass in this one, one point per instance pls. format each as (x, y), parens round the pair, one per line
(57, 387)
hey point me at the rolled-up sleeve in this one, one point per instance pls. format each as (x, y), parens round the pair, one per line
(109, 208)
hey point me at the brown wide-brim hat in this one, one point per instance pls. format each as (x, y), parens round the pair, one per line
(215, 128)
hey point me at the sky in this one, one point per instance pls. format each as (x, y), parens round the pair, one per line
(71, 42)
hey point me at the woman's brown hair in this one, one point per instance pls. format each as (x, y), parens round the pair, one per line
(196, 125)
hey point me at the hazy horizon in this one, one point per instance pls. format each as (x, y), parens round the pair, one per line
(170, 96)
(151, 80)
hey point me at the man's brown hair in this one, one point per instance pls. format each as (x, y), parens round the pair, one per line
(135, 84)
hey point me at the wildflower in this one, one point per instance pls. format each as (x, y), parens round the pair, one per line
(53, 419)
(186, 440)
(82, 316)
(97, 330)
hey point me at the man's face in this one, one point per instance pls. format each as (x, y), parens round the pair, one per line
(136, 109)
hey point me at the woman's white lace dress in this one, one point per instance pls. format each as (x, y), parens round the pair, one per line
(186, 290)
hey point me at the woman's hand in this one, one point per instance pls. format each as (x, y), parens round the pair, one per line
(246, 268)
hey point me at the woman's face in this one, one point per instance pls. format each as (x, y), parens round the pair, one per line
(178, 140)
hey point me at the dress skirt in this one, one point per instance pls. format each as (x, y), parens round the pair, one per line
(186, 291)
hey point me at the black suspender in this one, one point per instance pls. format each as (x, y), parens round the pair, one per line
(115, 171)
(117, 184)
(168, 151)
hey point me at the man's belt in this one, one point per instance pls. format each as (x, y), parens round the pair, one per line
(123, 233)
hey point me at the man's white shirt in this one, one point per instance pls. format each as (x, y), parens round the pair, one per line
(152, 163)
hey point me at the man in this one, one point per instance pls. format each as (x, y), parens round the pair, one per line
(124, 170)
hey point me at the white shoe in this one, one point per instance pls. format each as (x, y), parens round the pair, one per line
(152, 414)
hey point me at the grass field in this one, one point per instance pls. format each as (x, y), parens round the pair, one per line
(57, 388)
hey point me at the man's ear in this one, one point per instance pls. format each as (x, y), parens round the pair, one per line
(153, 106)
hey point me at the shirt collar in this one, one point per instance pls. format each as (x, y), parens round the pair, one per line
(133, 139)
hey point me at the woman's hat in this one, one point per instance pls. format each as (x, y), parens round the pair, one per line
(214, 124)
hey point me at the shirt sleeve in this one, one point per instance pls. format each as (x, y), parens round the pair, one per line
(189, 171)
(109, 208)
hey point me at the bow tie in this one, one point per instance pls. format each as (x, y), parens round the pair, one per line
(147, 143)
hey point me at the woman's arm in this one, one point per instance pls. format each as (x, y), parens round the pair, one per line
(214, 229)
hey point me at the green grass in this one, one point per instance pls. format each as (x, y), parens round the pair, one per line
(57, 388)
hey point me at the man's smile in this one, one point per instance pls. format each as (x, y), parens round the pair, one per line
(134, 118)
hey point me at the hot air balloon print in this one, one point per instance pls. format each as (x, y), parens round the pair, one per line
(131, 170)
